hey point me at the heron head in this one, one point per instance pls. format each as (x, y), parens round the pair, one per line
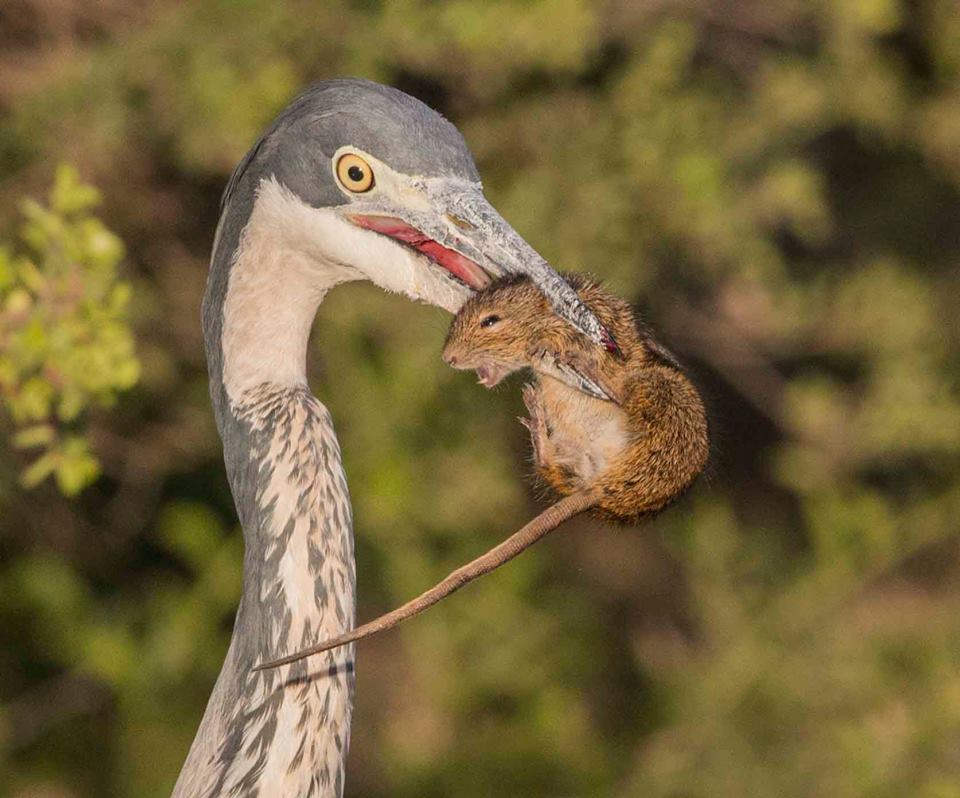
(376, 184)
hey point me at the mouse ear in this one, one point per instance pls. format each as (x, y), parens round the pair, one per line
(577, 372)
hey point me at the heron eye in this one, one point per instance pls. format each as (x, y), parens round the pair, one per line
(354, 173)
(489, 321)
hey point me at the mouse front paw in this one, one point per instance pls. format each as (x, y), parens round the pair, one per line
(536, 423)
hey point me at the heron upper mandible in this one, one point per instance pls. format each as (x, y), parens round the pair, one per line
(352, 181)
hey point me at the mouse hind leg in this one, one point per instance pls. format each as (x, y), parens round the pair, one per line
(554, 461)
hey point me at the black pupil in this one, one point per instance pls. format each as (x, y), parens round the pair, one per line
(489, 321)
(355, 173)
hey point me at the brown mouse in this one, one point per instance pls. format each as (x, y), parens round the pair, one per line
(622, 434)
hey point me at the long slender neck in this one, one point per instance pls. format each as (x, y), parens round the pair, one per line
(287, 732)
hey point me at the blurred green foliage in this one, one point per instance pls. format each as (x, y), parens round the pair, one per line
(65, 344)
(776, 185)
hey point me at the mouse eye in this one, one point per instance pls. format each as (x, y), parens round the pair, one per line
(354, 173)
(489, 321)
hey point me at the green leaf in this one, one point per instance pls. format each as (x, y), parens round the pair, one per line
(77, 467)
(39, 470)
(33, 401)
(69, 195)
(31, 437)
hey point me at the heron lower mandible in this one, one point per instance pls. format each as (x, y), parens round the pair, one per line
(352, 181)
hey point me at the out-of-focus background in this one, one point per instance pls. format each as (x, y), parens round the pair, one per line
(776, 185)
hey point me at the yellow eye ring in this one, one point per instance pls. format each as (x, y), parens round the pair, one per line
(354, 173)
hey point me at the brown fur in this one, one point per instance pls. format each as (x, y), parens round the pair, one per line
(623, 458)
(660, 414)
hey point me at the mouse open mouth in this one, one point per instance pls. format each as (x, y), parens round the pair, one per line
(490, 374)
(464, 269)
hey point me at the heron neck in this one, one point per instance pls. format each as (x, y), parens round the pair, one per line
(282, 732)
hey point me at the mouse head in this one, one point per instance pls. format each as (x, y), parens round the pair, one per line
(495, 328)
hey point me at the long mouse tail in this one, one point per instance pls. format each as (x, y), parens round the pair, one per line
(543, 524)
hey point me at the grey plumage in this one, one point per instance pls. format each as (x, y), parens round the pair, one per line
(286, 732)
(381, 120)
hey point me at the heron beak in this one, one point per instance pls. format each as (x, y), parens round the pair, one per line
(462, 232)
(460, 267)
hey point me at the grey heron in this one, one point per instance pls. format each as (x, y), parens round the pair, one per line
(352, 181)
